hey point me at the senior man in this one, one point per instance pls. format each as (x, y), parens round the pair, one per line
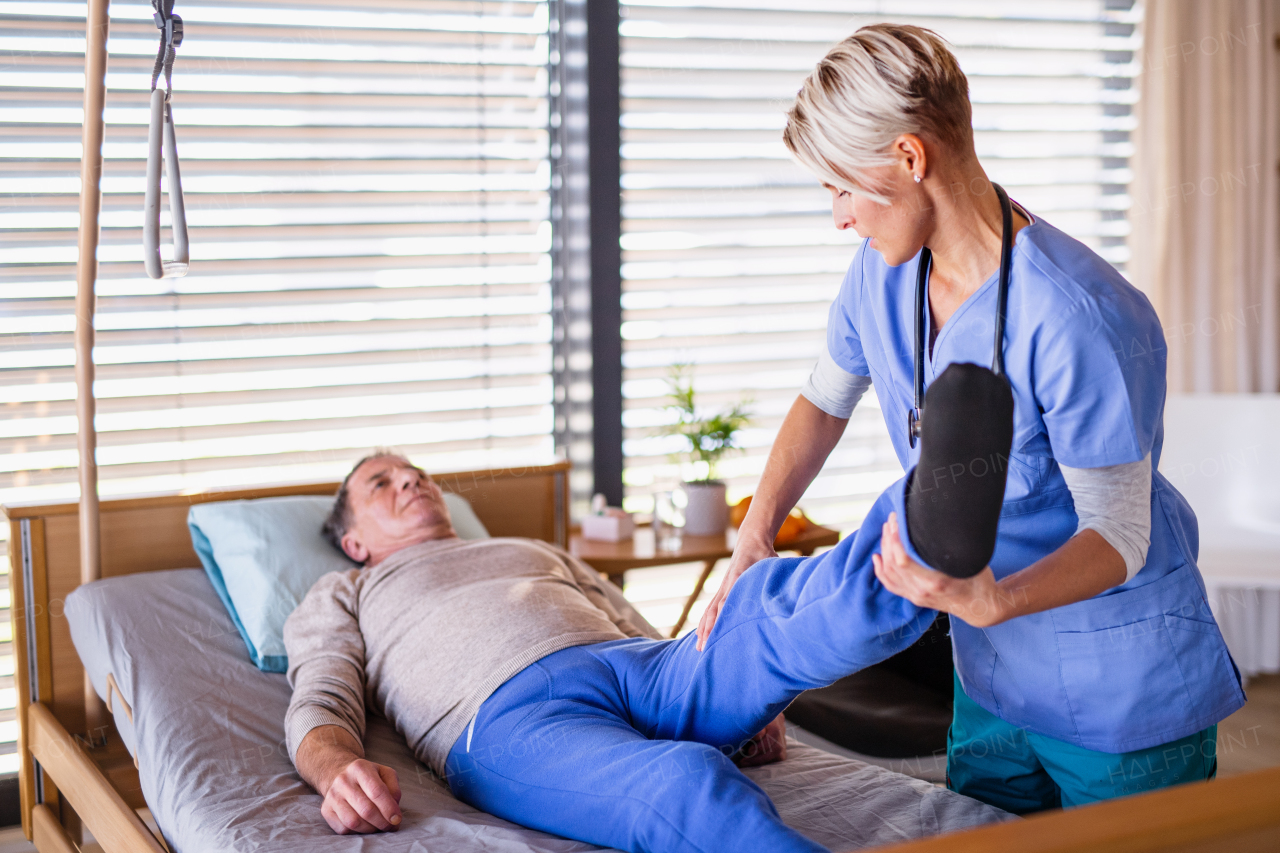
(514, 674)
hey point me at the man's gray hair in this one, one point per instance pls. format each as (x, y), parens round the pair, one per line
(339, 520)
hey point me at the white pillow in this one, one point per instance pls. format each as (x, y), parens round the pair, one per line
(262, 557)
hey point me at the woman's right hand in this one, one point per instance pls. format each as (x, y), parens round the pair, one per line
(804, 441)
(749, 551)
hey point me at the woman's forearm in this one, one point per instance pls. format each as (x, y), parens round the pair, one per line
(1083, 567)
(805, 440)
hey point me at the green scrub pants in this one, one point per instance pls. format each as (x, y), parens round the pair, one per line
(1021, 772)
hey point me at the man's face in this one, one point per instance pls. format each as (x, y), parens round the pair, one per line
(393, 504)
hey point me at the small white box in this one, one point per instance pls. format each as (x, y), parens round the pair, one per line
(608, 528)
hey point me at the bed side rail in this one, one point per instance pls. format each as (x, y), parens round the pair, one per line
(47, 834)
(115, 826)
(1240, 814)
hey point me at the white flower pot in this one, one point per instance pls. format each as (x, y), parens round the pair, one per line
(708, 511)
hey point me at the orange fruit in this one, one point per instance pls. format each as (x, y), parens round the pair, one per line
(793, 525)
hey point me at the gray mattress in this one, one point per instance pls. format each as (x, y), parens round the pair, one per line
(208, 734)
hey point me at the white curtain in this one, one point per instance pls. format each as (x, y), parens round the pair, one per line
(1250, 623)
(1204, 214)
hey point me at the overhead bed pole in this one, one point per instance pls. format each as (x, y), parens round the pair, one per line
(95, 93)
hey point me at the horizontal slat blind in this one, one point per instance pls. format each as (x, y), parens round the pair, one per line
(730, 256)
(367, 194)
(366, 188)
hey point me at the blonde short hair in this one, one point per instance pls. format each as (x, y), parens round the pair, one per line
(881, 82)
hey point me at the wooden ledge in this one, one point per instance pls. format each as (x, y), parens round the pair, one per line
(1240, 815)
(450, 481)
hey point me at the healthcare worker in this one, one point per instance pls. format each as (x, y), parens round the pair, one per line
(1088, 665)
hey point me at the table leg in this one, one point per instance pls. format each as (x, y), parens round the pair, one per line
(707, 566)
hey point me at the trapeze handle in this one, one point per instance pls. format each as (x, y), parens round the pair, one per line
(162, 145)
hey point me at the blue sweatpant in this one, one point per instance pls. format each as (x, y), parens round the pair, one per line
(627, 744)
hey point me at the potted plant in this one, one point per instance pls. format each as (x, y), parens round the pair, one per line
(709, 438)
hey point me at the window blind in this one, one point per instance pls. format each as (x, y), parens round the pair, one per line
(367, 195)
(730, 255)
(366, 190)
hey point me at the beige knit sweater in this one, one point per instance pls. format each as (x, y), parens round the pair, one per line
(429, 633)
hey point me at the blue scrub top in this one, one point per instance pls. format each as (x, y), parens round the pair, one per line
(1141, 664)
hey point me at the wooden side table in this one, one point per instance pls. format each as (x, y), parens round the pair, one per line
(615, 558)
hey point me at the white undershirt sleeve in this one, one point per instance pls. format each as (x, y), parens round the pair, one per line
(832, 388)
(1116, 502)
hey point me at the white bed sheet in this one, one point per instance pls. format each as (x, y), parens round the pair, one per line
(208, 733)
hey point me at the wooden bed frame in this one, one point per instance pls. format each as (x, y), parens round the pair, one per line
(65, 780)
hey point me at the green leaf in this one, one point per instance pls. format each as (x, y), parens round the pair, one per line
(709, 438)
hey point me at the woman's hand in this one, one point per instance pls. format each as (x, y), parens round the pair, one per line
(976, 600)
(805, 439)
(749, 551)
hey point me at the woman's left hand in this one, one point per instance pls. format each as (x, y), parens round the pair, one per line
(976, 600)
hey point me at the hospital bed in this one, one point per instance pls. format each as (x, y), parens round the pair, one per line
(196, 729)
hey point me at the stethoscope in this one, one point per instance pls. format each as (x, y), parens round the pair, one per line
(915, 417)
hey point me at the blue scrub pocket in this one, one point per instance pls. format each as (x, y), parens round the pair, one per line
(1029, 474)
(1206, 665)
(1114, 676)
(1147, 682)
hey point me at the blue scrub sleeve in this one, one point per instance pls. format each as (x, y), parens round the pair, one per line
(1100, 404)
(843, 341)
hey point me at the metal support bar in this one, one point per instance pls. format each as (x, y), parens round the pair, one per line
(95, 93)
(32, 642)
(95, 89)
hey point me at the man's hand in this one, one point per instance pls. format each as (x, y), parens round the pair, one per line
(359, 796)
(749, 551)
(976, 600)
(363, 797)
(767, 747)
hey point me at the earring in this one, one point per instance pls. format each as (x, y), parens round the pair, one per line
(917, 177)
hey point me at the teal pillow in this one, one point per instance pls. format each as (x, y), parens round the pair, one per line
(262, 557)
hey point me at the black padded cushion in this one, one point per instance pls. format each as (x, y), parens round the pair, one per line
(900, 708)
(956, 490)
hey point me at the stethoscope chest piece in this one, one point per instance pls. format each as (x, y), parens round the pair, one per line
(913, 424)
(915, 416)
